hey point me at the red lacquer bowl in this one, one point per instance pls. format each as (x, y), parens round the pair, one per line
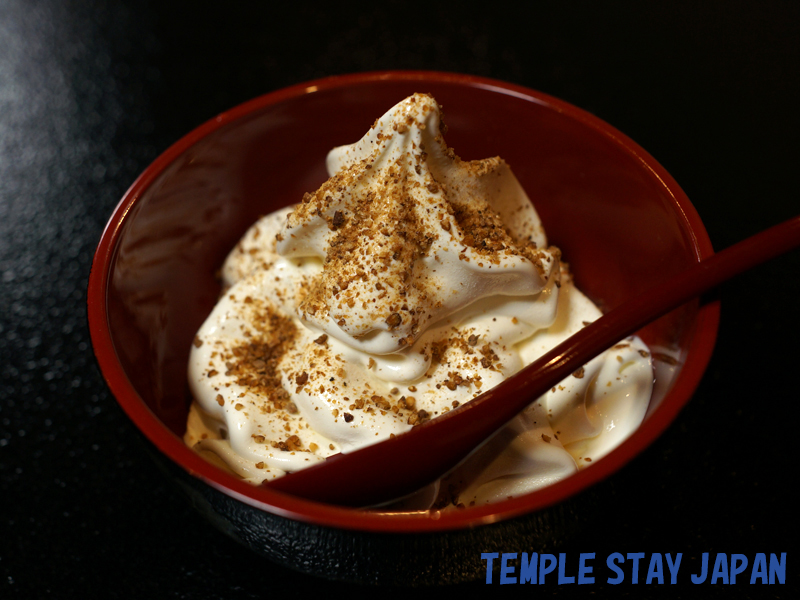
(622, 223)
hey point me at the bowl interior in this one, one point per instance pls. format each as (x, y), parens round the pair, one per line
(620, 220)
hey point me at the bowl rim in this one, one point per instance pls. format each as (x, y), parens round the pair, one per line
(276, 503)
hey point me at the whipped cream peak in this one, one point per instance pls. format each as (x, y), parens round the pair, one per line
(409, 234)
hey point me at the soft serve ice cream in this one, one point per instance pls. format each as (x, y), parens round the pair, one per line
(406, 285)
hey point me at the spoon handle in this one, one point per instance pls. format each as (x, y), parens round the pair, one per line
(400, 465)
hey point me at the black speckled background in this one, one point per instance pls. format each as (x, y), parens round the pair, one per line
(92, 91)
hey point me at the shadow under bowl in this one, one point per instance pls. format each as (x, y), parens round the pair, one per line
(622, 223)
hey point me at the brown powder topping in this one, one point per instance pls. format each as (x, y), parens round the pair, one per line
(380, 240)
(489, 357)
(254, 364)
(290, 444)
(394, 320)
(484, 230)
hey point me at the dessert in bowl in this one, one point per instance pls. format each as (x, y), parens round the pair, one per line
(618, 217)
(409, 284)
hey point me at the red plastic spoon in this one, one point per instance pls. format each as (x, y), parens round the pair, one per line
(399, 466)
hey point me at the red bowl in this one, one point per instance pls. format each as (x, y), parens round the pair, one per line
(622, 223)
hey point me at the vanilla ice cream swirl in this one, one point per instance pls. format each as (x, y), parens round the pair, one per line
(409, 283)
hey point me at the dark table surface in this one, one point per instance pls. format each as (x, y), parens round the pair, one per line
(92, 91)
